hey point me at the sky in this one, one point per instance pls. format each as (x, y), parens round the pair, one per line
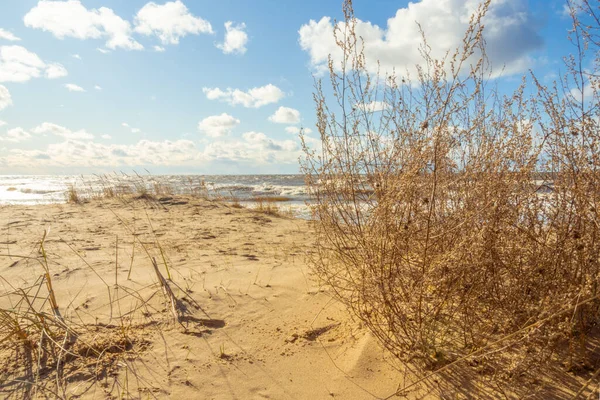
(216, 87)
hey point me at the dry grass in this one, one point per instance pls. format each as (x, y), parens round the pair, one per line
(235, 202)
(268, 205)
(45, 354)
(271, 199)
(137, 187)
(73, 195)
(432, 226)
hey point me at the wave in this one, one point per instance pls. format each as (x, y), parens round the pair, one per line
(40, 191)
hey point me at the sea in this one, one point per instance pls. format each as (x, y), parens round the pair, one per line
(48, 189)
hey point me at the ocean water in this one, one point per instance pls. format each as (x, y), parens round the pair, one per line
(46, 189)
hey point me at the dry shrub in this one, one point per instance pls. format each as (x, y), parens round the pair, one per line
(456, 218)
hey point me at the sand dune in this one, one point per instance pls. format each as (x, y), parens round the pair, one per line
(253, 323)
(239, 315)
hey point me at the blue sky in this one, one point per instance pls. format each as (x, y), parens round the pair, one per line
(211, 87)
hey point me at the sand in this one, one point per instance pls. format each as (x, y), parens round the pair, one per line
(241, 316)
(253, 321)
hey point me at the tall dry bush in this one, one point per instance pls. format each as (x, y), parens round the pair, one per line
(456, 216)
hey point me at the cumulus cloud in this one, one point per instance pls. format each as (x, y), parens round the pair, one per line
(588, 92)
(131, 128)
(17, 64)
(253, 98)
(72, 19)
(71, 87)
(372, 107)
(61, 131)
(285, 115)
(98, 87)
(510, 35)
(15, 135)
(76, 153)
(294, 130)
(6, 35)
(255, 148)
(54, 71)
(259, 138)
(235, 39)
(169, 22)
(107, 137)
(218, 125)
(159, 49)
(5, 98)
(2, 123)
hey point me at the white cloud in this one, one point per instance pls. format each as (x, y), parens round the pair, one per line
(235, 39)
(54, 71)
(218, 125)
(372, 107)
(255, 148)
(169, 22)
(17, 64)
(61, 131)
(510, 35)
(15, 135)
(132, 129)
(98, 87)
(572, 7)
(294, 130)
(588, 93)
(107, 137)
(253, 98)
(103, 51)
(285, 115)
(2, 123)
(5, 98)
(76, 153)
(77, 56)
(159, 49)
(74, 88)
(72, 19)
(6, 35)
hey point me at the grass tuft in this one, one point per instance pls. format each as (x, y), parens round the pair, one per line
(73, 195)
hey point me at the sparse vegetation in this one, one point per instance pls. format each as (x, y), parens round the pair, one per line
(235, 202)
(73, 195)
(77, 323)
(267, 205)
(459, 224)
(270, 199)
(47, 347)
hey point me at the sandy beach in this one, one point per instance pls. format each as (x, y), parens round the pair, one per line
(234, 311)
(253, 322)
(323, 200)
